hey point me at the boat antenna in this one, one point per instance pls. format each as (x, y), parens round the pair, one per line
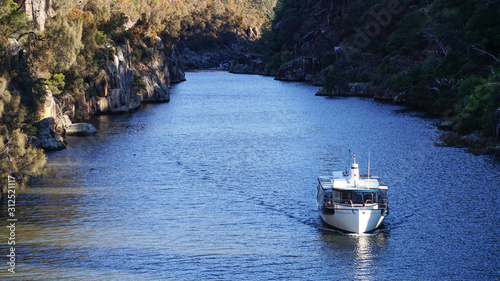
(369, 163)
(349, 163)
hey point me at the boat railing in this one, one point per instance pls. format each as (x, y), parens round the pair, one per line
(352, 206)
(384, 203)
(328, 202)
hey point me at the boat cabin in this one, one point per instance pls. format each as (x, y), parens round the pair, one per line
(367, 192)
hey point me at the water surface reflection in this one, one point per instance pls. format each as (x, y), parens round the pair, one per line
(220, 184)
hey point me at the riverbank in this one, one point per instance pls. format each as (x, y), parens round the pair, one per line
(305, 69)
(475, 142)
(180, 190)
(402, 52)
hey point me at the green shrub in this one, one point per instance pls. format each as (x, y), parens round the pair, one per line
(100, 37)
(476, 110)
(407, 38)
(65, 41)
(56, 83)
(279, 59)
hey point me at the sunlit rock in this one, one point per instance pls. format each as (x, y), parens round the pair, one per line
(80, 129)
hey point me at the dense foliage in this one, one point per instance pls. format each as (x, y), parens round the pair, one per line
(17, 159)
(69, 54)
(440, 56)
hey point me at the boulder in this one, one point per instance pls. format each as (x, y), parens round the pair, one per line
(384, 95)
(249, 66)
(400, 98)
(360, 89)
(446, 125)
(80, 129)
(48, 139)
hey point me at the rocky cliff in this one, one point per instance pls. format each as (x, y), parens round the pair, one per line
(39, 11)
(115, 88)
(122, 88)
(299, 69)
(124, 75)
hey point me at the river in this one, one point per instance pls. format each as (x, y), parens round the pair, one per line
(220, 184)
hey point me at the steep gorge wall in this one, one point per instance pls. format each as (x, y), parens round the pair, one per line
(119, 85)
(39, 11)
(118, 90)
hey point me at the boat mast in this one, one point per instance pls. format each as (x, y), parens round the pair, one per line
(368, 164)
(354, 172)
(348, 164)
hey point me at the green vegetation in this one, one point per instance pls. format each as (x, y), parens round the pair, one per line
(56, 83)
(442, 56)
(69, 55)
(17, 158)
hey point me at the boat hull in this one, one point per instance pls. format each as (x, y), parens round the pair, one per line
(354, 220)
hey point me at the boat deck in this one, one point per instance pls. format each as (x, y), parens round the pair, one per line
(327, 181)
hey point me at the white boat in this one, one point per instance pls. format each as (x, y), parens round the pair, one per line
(351, 202)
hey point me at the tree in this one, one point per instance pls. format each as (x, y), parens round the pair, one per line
(13, 21)
(64, 35)
(17, 158)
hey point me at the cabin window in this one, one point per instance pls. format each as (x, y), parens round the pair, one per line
(359, 197)
(370, 197)
(356, 197)
(336, 198)
(346, 197)
(383, 196)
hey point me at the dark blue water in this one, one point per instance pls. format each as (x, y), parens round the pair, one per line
(220, 184)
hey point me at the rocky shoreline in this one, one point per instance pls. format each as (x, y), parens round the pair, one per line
(306, 69)
(119, 88)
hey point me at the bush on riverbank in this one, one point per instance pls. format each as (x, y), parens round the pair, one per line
(18, 158)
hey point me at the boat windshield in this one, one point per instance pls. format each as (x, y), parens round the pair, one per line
(356, 197)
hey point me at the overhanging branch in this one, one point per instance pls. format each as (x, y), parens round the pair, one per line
(481, 50)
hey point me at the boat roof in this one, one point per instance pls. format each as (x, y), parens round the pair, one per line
(327, 182)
